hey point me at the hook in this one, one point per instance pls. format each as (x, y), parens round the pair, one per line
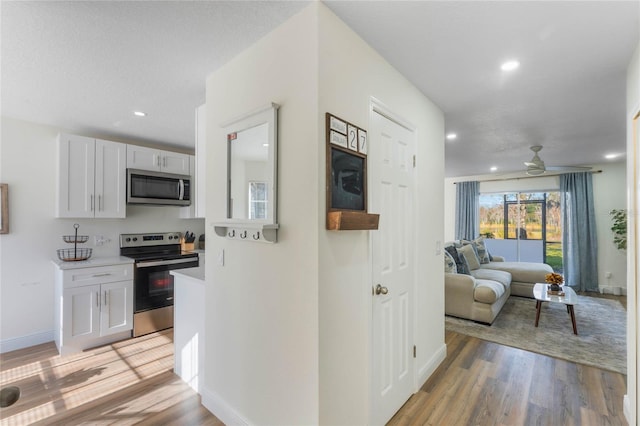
(232, 233)
(256, 236)
(244, 234)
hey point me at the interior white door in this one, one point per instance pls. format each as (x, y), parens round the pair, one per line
(390, 164)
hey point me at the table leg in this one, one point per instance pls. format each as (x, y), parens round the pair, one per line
(538, 306)
(573, 319)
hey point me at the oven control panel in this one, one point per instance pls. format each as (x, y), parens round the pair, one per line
(156, 239)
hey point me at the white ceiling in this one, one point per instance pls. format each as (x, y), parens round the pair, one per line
(86, 66)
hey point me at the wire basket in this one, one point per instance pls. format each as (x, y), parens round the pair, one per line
(74, 254)
(75, 238)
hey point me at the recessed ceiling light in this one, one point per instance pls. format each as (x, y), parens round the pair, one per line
(451, 136)
(611, 156)
(494, 168)
(509, 65)
(139, 113)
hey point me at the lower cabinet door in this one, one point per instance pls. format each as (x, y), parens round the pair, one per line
(117, 307)
(81, 316)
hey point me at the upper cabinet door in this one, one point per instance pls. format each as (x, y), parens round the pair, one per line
(110, 179)
(91, 177)
(174, 162)
(157, 160)
(140, 157)
(76, 168)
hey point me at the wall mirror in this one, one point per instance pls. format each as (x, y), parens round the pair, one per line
(252, 152)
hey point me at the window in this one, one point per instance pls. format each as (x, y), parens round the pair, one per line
(258, 200)
(523, 226)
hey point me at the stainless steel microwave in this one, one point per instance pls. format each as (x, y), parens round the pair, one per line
(149, 187)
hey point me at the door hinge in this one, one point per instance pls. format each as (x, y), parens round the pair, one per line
(414, 161)
(414, 351)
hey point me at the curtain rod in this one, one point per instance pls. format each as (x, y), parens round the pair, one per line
(524, 177)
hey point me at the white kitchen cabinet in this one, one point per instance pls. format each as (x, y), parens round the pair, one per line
(91, 177)
(143, 158)
(94, 306)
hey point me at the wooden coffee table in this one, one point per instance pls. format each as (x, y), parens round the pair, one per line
(570, 299)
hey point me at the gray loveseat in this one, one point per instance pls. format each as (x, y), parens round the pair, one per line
(478, 288)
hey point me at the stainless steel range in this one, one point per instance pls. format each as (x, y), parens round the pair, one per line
(154, 256)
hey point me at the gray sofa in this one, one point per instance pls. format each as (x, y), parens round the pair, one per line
(480, 293)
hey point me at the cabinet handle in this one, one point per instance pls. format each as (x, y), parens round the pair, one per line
(98, 300)
(106, 274)
(91, 202)
(159, 165)
(106, 298)
(100, 202)
(164, 161)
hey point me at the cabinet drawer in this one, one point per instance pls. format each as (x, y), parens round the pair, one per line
(97, 275)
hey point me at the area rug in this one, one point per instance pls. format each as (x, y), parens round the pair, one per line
(601, 339)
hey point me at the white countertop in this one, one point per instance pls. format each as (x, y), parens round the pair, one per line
(92, 262)
(191, 273)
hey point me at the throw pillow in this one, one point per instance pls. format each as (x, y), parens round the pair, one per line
(461, 266)
(449, 264)
(469, 253)
(481, 249)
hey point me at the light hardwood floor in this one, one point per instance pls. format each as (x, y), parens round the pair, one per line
(484, 383)
(479, 383)
(129, 382)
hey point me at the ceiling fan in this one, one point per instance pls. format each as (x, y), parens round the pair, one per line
(536, 166)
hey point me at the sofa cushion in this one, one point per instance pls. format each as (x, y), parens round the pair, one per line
(449, 263)
(469, 253)
(461, 266)
(481, 249)
(503, 277)
(526, 272)
(488, 291)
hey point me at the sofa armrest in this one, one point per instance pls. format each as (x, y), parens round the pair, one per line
(497, 258)
(459, 287)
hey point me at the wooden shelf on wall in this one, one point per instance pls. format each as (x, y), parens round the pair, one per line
(344, 220)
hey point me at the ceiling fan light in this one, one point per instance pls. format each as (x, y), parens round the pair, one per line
(535, 172)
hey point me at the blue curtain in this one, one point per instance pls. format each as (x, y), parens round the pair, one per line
(579, 241)
(467, 210)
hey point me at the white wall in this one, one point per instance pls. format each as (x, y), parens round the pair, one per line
(613, 175)
(288, 324)
(262, 305)
(351, 73)
(28, 165)
(633, 198)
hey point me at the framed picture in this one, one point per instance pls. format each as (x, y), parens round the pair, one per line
(4, 208)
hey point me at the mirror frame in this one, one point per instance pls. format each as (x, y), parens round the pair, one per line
(267, 114)
(4, 208)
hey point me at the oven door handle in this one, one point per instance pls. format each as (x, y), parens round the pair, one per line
(165, 262)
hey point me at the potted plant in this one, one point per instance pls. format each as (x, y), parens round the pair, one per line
(619, 228)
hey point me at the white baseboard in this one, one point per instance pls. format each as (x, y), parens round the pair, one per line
(219, 408)
(15, 343)
(430, 366)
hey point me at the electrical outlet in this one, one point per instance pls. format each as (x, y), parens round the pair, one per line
(101, 240)
(608, 274)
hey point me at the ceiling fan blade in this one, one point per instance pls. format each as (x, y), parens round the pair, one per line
(530, 164)
(569, 168)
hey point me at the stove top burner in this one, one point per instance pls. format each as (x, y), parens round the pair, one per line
(158, 246)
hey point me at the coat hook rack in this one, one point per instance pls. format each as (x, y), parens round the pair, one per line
(259, 232)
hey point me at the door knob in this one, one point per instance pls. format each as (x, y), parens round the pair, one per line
(381, 290)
